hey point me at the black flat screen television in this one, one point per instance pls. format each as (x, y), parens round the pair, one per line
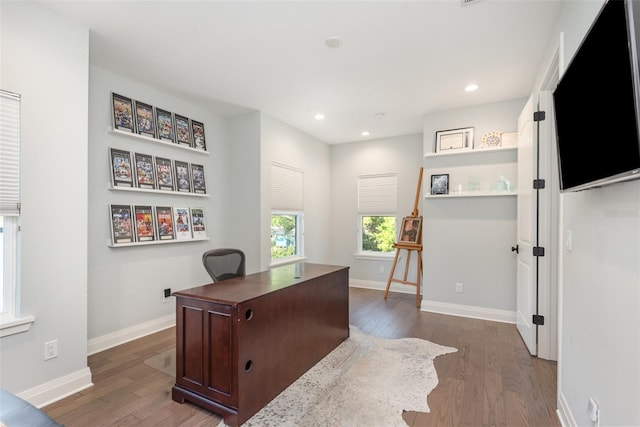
(596, 103)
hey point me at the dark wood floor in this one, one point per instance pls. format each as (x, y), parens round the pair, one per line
(490, 381)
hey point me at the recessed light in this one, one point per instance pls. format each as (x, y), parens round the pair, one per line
(319, 116)
(471, 88)
(333, 42)
(365, 133)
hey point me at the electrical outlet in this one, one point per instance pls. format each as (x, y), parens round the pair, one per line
(459, 288)
(165, 295)
(50, 349)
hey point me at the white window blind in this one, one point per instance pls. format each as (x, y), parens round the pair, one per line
(286, 188)
(377, 194)
(9, 153)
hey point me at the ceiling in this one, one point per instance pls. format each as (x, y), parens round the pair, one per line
(398, 61)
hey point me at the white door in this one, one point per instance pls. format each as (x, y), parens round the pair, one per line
(526, 226)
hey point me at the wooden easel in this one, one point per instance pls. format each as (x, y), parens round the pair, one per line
(409, 247)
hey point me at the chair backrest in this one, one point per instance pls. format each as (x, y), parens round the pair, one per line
(224, 263)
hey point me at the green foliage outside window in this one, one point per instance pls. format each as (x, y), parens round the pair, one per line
(378, 233)
(283, 235)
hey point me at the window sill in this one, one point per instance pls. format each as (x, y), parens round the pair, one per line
(15, 325)
(375, 257)
(286, 261)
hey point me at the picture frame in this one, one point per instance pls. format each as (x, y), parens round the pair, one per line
(183, 181)
(198, 223)
(454, 140)
(183, 133)
(122, 228)
(182, 223)
(198, 184)
(440, 184)
(164, 174)
(123, 117)
(164, 222)
(145, 121)
(197, 133)
(145, 176)
(145, 225)
(121, 168)
(411, 230)
(165, 126)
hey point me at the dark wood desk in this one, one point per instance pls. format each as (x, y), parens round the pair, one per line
(242, 341)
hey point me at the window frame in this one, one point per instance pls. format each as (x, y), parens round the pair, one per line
(361, 253)
(299, 243)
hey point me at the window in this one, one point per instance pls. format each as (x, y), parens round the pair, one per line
(377, 208)
(286, 213)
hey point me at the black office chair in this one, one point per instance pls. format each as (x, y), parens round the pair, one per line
(224, 263)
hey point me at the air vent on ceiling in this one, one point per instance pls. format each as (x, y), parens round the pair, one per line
(468, 2)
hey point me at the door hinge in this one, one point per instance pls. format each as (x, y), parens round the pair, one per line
(538, 320)
(539, 116)
(538, 184)
(538, 251)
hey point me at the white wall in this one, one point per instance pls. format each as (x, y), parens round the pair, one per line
(600, 282)
(469, 240)
(401, 155)
(45, 58)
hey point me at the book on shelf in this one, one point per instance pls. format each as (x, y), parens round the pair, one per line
(197, 132)
(164, 222)
(198, 224)
(145, 229)
(197, 179)
(182, 221)
(183, 183)
(183, 133)
(122, 228)
(145, 122)
(165, 126)
(144, 171)
(121, 170)
(164, 174)
(123, 118)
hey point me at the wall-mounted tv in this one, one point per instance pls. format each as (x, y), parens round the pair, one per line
(597, 101)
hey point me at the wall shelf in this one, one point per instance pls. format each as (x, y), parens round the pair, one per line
(466, 152)
(472, 194)
(155, 141)
(148, 190)
(157, 242)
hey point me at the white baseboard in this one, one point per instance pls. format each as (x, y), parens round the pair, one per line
(50, 392)
(382, 286)
(484, 313)
(104, 342)
(564, 412)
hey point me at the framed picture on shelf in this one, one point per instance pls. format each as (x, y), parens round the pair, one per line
(164, 222)
(440, 184)
(121, 170)
(165, 126)
(145, 178)
(122, 229)
(197, 132)
(182, 221)
(183, 183)
(145, 228)
(198, 225)
(183, 134)
(164, 174)
(145, 123)
(197, 179)
(123, 118)
(411, 229)
(454, 140)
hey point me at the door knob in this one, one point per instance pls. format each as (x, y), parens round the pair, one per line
(514, 249)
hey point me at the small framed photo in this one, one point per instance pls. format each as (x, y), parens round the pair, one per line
(145, 229)
(121, 170)
(454, 140)
(145, 122)
(164, 174)
(183, 134)
(145, 177)
(197, 179)
(165, 126)
(182, 221)
(197, 132)
(198, 225)
(183, 182)
(440, 184)
(411, 230)
(121, 224)
(123, 118)
(164, 222)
